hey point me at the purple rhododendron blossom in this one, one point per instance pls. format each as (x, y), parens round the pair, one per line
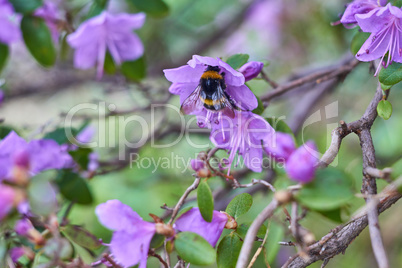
(35, 156)
(132, 235)
(192, 221)
(51, 13)
(185, 80)
(23, 226)
(281, 147)
(301, 164)
(7, 197)
(385, 26)
(251, 69)
(107, 32)
(359, 7)
(9, 23)
(245, 134)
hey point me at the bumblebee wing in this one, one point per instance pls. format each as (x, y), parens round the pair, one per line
(222, 103)
(193, 102)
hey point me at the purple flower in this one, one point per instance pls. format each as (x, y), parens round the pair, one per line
(7, 200)
(16, 253)
(301, 164)
(25, 228)
(359, 7)
(385, 26)
(9, 24)
(186, 79)
(33, 157)
(1, 97)
(132, 235)
(192, 221)
(51, 14)
(282, 146)
(107, 32)
(197, 164)
(251, 69)
(245, 134)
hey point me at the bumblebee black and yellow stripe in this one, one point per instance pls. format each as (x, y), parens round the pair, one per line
(211, 75)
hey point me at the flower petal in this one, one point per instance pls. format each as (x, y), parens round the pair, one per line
(185, 74)
(243, 97)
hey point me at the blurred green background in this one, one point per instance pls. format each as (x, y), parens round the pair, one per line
(293, 36)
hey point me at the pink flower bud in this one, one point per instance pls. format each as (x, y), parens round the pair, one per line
(251, 69)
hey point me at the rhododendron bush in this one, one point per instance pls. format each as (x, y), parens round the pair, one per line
(161, 133)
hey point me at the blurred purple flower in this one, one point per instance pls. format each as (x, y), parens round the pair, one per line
(1, 97)
(132, 235)
(245, 134)
(7, 200)
(185, 80)
(16, 253)
(192, 221)
(51, 13)
(35, 156)
(197, 164)
(107, 32)
(251, 69)
(281, 147)
(23, 227)
(359, 7)
(385, 26)
(9, 23)
(301, 164)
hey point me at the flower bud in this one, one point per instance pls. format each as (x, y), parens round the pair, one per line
(301, 164)
(283, 197)
(18, 252)
(231, 223)
(25, 228)
(281, 147)
(251, 69)
(164, 229)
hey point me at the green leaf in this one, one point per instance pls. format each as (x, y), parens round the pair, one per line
(260, 108)
(194, 249)
(73, 187)
(238, 60)
(385, 87)
(357, 41)
(109, 66)
(4, 131)
(157, 241)
(154, 8)
(42, 196)
(228, 251)
(134, 70)
(60, 135)
(243, 228)
(38, 40)
(81, 237)
(275, 235)
(3, 251)
(96, 8)
(396, 169)
(330, 190)
(240, 205)
(205, 201)
(391, 75)
(81, 157)
(384, 109)
(279, 125)
(334, 215)
(4, 52)
(25, 6)
(396, 3)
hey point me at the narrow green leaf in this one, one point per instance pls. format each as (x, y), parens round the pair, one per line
(81, 157)
(330, 190)
(357, 41)
(228, 251)
(73, 187)
(238, 60)
(260, 108)
(391, 75)
(194, 249)
(25, 6)
(96, 8)
(4, 52)
(384, 109)
(205, 201)
(81, 237)
(157, 241)
(240, 205)
(38, 40)
(134, 70)
(279, 125)
(154, 8)
(109, 66)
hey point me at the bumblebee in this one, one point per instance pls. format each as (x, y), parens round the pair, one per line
(210, 94)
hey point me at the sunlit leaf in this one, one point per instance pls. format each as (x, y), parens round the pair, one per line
(384, 109)
(194, 249)
(238, 60)
(205, 201)
(240, 205)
